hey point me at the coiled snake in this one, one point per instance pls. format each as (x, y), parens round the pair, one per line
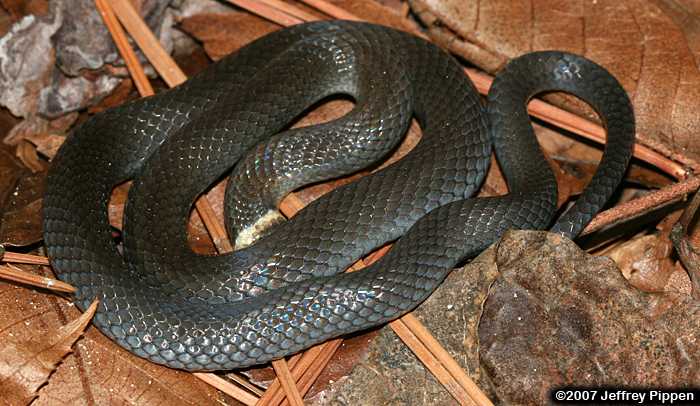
(286, 291)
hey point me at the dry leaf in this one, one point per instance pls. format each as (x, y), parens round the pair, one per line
(650, 46)
(98, 371)
(375, 12)
(646, 263)
(10, 172)
(225, 33)
(20, 221)
(26, 365)
(27, 153)
(47, 144)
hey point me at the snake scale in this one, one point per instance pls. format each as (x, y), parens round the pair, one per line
(287, 290)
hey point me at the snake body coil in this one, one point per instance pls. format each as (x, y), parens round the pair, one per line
(286, 291)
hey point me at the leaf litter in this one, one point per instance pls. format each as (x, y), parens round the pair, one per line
(576, 162)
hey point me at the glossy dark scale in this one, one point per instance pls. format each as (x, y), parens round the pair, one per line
(286, 292)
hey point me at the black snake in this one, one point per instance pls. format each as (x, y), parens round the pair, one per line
(287, 291)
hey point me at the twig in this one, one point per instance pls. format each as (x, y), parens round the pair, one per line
(255, 390)
(149, 44)
(274, 395)
(18, 258)
(213, 225)
(291, 10)
(267, 12)
(332, 10)
(12, 273)
(288, 384)
(643, 205)
(132, 64)
(414, 325)
(433, 364)
(308, 378)
(228, 388)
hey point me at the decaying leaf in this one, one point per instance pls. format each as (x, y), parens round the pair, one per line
(26, 365)
(47, 144)
(36, 135)
(557, 316)
(14, 273)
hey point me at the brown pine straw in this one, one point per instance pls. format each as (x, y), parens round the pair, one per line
(332, 10)
(426, 357)
(266, 11)
(147, 42)
(287, 8)
(289, 384)
(300, 364)
(319, 353)
(312, 374)
(228, 388)
(132, 64)
(17, 258)
(12, 273)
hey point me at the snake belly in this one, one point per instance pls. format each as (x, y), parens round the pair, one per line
(286, 291)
